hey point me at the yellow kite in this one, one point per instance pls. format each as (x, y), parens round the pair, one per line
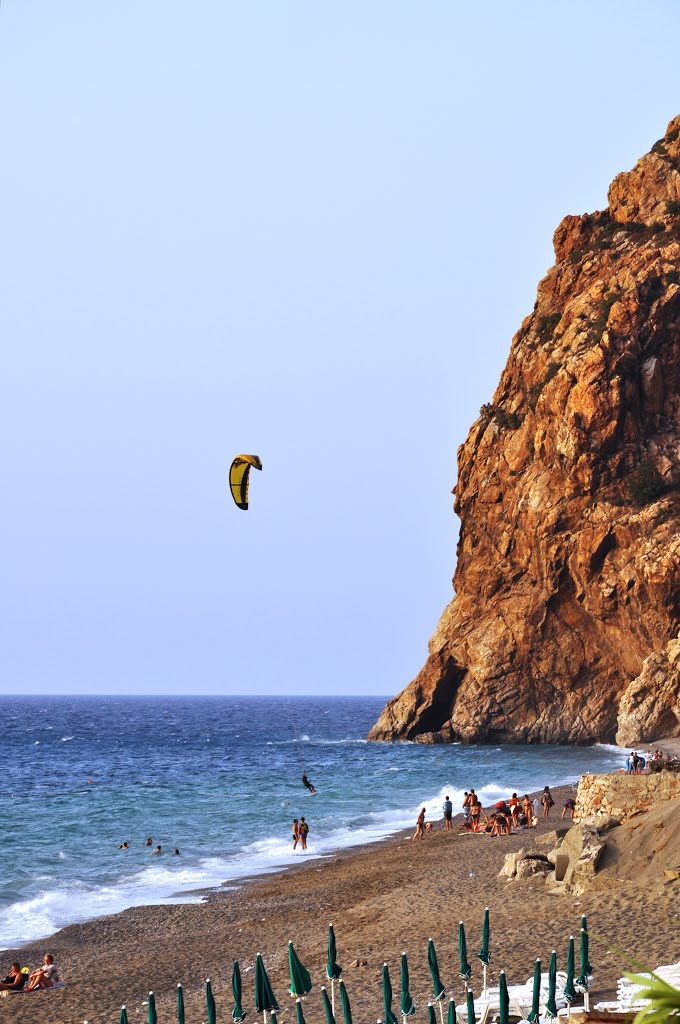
(239, 475)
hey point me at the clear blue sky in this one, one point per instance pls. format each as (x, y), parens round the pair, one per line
(303, 230)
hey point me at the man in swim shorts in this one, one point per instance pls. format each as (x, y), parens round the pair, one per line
(296, 833)
(448, 814)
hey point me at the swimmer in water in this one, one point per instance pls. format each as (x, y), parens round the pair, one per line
(307, 783)
(157, 850)
(123, 846)
(149, 841)
(175, 852)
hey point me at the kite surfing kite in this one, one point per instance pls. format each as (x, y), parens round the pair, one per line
(239, 475)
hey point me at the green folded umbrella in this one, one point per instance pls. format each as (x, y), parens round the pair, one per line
(180, 1005)
(431, 1019)
(451, 1012)
(123, 1015)
(327, 1008)
(551, 1004)
(470, 1007)
(299, 1015)
(484, 954)
(210, 1008)
(437, 987)
(569, 990)
(585, 967)
(333, 968)
(503, 1000)
(265, 1000)
(344, 1003)
(238, 1013)
(300, 978)
(584, 928)
(536, 994)
(406, 1004)
(387, 996)
(272, 1017)
(465, 971)
(152, 1016)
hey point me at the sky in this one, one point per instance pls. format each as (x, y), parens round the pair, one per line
(307, 231)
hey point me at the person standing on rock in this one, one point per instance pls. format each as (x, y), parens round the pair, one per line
(448, 814)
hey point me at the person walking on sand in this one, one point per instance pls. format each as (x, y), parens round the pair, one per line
(448, 814)
(547, 801)
(420, 827)
(296, 833)
(304, 831)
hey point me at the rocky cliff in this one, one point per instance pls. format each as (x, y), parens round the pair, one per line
(565, 621)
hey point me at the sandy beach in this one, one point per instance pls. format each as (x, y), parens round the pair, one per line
(382, 899)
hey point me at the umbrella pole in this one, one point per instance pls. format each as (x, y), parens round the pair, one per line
(333, 995)
(441, 1011)
(484, 970)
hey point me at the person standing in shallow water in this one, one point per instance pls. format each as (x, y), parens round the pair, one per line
(448, 814)
(296, 833)
(304, 831)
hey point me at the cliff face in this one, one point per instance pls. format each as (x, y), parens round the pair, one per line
(566, 615)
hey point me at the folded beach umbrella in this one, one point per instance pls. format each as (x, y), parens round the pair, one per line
(437, 987)
(465, 971)
(431, 1019)
(551, 1004)
(584, 928)
(344, 1003)
(406, 1004)
(300, 979)
(470, 1007)
(484, 953)
(451, 1013)
(503, 1000)
(152, 1016)
(123, 1015)
(327, 1008)
(299, 1015)
(569, 990)
(265, 1000)
(237, 1014)
(210, 1008)
(535, 994)
(180, 1005)
(585, 967)
(333, 968)
(272, 1018)
(387, 996)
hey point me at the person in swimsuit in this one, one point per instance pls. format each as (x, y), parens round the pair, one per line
(157, 850)
(475, 811)
(448, 814)
(149, 841)
(296, 833)
(175, 852)
(569, 806)
(123, 846)
(15, 980)
(420, 827)
(304, 830)
(547, 802)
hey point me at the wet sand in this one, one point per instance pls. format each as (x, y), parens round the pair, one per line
(382, 899)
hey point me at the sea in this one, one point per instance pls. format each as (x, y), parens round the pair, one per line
(218, 778)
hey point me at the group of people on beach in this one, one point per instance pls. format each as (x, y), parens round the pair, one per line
(505, 815)
(636, 763)
(21, 979)
(300, 833)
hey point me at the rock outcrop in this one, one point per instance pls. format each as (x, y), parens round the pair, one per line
(565, 621)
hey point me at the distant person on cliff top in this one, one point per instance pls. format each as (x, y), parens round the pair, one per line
(448, 814)
(568, 808)
(420, 827)
(307, 783)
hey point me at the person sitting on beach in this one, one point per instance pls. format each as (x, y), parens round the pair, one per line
(420, 827)
(568, 808)
(490, 824)
(46, 976)
(15, 980)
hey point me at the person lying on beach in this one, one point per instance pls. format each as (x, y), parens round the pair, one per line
(45, 977)
(420, 827)
(15, 980)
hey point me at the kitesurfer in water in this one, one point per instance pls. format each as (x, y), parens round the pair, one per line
(307, 783)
